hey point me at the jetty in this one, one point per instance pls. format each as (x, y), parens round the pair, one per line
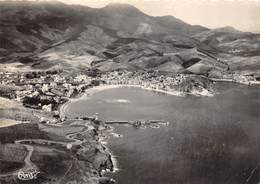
(137, 123)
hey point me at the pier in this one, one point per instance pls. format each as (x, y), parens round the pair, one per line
(137, 123)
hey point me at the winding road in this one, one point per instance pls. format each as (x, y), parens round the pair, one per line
(27, 160)
(27, 144)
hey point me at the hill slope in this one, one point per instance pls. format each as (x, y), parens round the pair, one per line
(119, 36)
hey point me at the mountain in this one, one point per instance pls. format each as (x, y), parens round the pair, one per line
(118, 36)
(128, 19)
(27, 26)
(241, 50)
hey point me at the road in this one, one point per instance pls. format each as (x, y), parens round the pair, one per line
(27, 160)
(27, 144)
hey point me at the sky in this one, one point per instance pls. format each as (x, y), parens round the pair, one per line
(241, 14)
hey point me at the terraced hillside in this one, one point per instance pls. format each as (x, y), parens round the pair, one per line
(42, 35)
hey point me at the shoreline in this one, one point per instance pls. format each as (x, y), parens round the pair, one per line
(89, 92)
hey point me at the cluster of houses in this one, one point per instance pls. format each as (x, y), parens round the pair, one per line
(146, 79)
(47, 90)
(44, 90)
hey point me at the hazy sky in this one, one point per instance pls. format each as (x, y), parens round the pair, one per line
(241, 14)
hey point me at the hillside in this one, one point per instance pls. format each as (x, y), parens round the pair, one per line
(241, 50)
(43, 35)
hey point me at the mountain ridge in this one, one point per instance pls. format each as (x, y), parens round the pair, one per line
(119, 36)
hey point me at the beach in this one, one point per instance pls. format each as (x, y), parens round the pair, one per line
(89, 92)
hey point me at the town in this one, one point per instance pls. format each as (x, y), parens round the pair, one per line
(46, 90)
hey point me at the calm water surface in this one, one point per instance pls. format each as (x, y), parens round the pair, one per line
(210, 140)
